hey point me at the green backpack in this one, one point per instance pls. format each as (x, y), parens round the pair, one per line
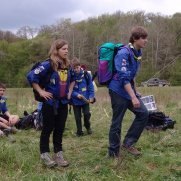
(106, 54)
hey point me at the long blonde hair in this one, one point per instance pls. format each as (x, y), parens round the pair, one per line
(53, 54)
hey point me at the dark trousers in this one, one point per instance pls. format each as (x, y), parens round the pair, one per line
(119, 107)
(78, 109)
(55, 123)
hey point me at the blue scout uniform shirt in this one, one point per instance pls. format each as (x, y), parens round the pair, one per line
(82, 88)
(58, 85)
(126, 66)
(3, 107)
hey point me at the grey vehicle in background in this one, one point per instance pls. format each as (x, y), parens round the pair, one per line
(155, 82)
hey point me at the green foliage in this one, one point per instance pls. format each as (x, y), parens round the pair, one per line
(84, 38)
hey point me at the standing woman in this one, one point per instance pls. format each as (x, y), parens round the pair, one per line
(55, 105)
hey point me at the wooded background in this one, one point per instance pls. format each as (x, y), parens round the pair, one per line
(162, 55)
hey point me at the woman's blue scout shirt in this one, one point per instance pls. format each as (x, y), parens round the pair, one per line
(58, 85)
(3, 107)
(82, 88)
(126, 66)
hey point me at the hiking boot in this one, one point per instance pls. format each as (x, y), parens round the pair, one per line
(10, 130)
(59, 159)
(89, 131)
(14, 130)
(47, 159)
(131, 149)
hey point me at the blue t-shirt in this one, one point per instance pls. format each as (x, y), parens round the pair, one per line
(3, 106)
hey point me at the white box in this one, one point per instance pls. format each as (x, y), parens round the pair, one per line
(149, 102)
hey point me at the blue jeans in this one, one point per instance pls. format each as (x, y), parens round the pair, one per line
(119, 107)
(78, 109)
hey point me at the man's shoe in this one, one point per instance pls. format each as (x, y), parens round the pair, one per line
(131, 149)
(59, 159)
(89, 131)
(79, 134)
(48, 160)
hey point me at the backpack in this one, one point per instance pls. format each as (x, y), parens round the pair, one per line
(106, 54)
(36, 94)
(38, 121)
(25, 122)
(159, 120)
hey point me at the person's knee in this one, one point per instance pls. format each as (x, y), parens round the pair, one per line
(15, 119)
(87, 115)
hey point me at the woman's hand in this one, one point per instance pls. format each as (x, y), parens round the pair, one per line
(46, 95)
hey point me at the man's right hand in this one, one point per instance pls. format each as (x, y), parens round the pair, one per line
(136, 102)
(79, 96)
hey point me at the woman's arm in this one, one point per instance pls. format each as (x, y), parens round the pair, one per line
(43, 93)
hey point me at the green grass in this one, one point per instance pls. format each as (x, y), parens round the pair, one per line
(87, 155)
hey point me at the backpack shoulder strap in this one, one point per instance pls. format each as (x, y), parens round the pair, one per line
(50, 71)
(94, 76)
(86, 77)
(128, 49)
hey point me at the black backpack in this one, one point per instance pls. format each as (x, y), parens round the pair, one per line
(36, 94)
(38, 121)
(25, 122)
(159, 120)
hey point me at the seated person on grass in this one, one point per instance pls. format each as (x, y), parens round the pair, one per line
(5, 116)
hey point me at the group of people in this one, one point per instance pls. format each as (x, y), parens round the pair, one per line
(68, 81)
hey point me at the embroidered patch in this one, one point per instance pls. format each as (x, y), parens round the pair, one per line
(84, 89)
(123, 69)
(123, 62)
(36, 71)
(52, 81)
(2, 101)
(41, 68)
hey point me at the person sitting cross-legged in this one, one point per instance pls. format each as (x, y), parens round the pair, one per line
(5, 116)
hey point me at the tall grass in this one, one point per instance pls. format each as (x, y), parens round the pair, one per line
(161, 151)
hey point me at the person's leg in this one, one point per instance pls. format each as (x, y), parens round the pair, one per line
(78, 115)
(119, 106)
(6, 128)
(87, 115)
(59, 127)
(138, 124)
(135, 129)
(48, 126)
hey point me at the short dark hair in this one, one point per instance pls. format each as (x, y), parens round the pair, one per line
(75, 62)
(2, 86)
(137, 33)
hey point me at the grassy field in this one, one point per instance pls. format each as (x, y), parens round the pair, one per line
(87, 155)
